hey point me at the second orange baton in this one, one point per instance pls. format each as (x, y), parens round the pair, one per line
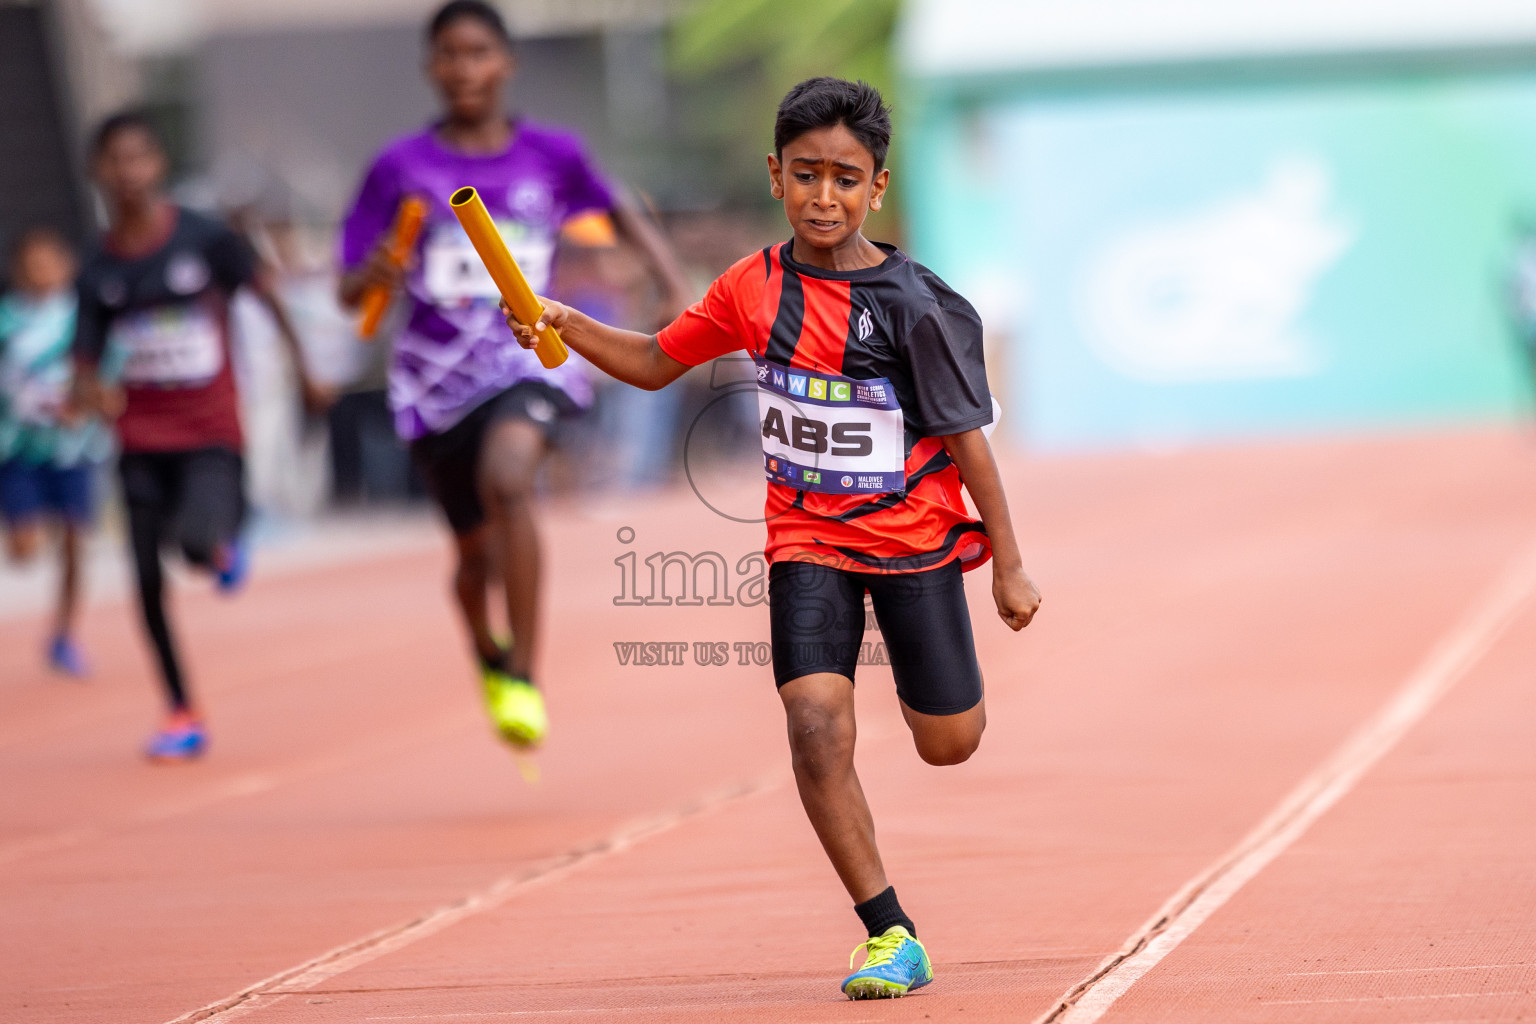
(476, 219)
(402, 238)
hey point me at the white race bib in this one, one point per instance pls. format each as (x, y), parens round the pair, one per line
(453, 273)
(34, 363)
(834, 435)
(171, 346)
(38, 399)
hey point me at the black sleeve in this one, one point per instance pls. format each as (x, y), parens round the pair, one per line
(949, 375)
(92, 321)
(231, 257)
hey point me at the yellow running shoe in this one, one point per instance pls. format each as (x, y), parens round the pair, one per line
(516, 708)
(897, 964)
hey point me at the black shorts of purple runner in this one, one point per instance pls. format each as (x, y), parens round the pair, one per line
(449, 462)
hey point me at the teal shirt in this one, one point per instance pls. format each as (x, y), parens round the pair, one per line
(35, 370)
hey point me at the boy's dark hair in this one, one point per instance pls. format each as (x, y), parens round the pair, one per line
(478, 10)
(39, 234)
(823, 102)
(131, 120)
(35, 234)
(32, 234)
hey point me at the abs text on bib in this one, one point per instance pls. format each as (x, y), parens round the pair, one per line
(833, 435)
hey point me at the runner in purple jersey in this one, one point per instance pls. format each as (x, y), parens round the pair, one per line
(453, 352)
(477, 408)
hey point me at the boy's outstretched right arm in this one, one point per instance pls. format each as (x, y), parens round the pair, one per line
(629, 356)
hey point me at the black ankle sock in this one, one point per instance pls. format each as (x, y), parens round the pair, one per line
(882, 912)
(498, 663)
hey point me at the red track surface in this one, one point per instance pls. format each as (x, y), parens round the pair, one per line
(1216, 624)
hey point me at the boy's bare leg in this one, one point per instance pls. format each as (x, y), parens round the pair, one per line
(819, 711)
(509, 464)
(946, 739)
(69, 581)
(471, 579)
(22, 542)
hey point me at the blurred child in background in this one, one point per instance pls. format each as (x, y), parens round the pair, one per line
(48, 452)
(155, 297)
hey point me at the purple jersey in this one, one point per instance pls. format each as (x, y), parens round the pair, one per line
(455, 350)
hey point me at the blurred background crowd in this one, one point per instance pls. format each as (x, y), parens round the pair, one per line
(1181, 222)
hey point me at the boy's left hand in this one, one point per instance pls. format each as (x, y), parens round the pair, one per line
(318, 398)
(71, 413)
(111, 401)
(1016, 595)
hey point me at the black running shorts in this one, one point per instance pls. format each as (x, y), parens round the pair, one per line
(449, 462)
(817, 613)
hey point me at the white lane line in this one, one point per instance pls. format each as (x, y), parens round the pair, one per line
(1395, 999)
(1406, 970)
(305, 976)
(611, 1011)
(1448, 661)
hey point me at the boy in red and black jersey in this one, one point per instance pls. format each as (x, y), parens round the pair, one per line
(893, 328)
(874, 403)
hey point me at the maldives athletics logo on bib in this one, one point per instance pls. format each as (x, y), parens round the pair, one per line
(531, 202)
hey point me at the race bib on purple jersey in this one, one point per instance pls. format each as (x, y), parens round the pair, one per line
(453, 273)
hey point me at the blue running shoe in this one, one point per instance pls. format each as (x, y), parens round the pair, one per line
(897, 964)
(237, 566)
(183, 738)
(66, 659)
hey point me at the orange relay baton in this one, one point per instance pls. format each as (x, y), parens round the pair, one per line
(470, 209)
(402, 238)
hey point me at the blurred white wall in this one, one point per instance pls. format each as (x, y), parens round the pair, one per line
(99, 77)
(163, 26)
(970, 37)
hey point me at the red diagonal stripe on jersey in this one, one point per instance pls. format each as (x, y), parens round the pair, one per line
(825, 331)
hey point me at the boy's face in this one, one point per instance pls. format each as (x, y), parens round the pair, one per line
(470, 66)
(130, 167)
(828, 183)
(43, 266)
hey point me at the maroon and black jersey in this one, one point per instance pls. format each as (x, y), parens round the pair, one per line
(161, 319)
(860, 374)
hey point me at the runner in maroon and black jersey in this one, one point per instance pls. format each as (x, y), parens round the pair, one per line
(873, 399)
(152, 352)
